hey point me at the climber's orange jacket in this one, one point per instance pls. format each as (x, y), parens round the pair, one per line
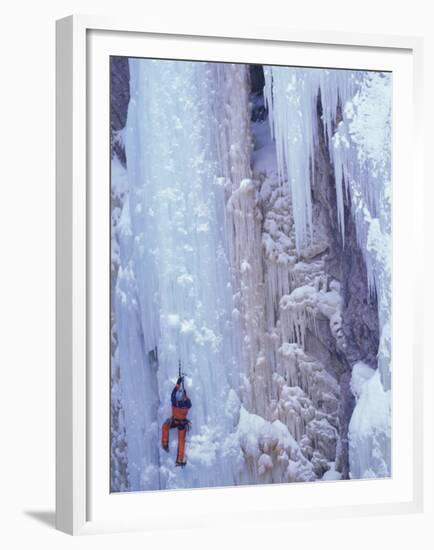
(180, 407)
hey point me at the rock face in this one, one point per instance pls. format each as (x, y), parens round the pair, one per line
(360, 315)
(359, 335)
(119, 99)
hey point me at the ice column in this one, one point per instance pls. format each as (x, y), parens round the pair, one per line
(174, 295)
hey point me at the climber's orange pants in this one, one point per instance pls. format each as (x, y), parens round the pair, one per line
(182, 429)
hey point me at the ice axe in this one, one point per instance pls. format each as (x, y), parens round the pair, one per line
(181, 374)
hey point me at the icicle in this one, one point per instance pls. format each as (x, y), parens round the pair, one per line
(290, 100)
(291, 95)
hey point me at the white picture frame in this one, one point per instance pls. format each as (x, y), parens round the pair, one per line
(77, 492)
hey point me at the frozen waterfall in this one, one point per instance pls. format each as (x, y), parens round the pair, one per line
(174, 283)
(356, 115)
(220, 260)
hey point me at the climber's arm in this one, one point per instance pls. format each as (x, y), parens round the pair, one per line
(175, 389)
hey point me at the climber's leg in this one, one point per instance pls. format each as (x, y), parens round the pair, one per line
(181, 445)
(165, 434)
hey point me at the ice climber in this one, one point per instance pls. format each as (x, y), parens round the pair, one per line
(180, 406)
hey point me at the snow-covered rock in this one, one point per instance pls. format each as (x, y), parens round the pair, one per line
(370, 427)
